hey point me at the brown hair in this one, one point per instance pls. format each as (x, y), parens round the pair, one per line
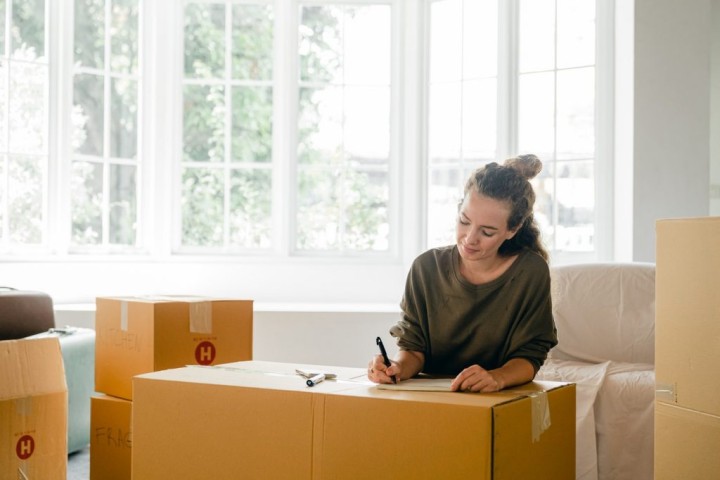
(510, 182)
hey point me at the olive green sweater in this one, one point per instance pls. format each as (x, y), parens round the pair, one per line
(456, 324)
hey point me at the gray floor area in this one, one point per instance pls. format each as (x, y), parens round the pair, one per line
(79, 465)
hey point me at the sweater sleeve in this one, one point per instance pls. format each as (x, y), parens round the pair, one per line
(411, 330)
(536, 334)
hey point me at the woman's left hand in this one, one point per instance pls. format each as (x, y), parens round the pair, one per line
(477, 379)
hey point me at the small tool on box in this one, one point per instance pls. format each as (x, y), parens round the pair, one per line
(313, 378)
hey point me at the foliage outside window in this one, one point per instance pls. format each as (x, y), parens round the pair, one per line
(226, 169)
(339, 198)
(105, 167)
(343, 153)
(24, 112)
(330, 187)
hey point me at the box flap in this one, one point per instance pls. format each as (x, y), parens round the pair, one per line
(31, 367)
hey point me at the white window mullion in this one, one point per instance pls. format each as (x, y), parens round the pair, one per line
(5, 232)
(140, 157)
(604, 138)
(173, 114)
(227, 170)
(61, 77)
(45, 209)
(556, 203)
(107, 83)
(407, 231)
(507, 85)
(285, 111)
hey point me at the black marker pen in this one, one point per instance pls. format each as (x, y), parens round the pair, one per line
(386, 360)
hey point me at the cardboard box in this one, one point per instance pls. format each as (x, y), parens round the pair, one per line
(111, 438)
(33, 409)
(686, 443)
(687, 310)
(141, 335)
(260, 420)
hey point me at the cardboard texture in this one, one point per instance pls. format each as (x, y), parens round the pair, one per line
(687, 327)
(33, 410)
(686, 443)
(111, 439)
(140, 335)
(277, 427)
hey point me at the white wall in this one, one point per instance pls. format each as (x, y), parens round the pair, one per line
(338, 335)
(715, 110)
(292, 280)
(671, 124)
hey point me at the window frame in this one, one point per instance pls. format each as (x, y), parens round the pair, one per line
(507, 118)
(279, 275)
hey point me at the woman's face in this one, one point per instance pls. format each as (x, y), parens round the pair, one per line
(482, 226)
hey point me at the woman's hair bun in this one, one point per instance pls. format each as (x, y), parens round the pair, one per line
(527, 165)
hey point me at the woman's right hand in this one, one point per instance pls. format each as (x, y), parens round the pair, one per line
(379, 373)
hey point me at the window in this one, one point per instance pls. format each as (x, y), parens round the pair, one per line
(343, 153)
(546, 105)
(338, 169)
(24, 115)
(226, 169)
(106, 161)
(313, 146)
(463, 106)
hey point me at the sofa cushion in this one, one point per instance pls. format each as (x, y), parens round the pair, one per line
(604, 311)
(24, 313)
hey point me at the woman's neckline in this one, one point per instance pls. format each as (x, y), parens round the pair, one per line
(497, 279)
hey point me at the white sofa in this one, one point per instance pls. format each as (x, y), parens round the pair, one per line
(605, 317)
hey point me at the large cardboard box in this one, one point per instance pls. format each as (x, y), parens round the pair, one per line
(260, 420)
(687, 443)
(140, 335)
(33, 409)
(687, 310)
(111, 439)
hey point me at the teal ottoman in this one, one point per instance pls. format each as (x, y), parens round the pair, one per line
(78, 352)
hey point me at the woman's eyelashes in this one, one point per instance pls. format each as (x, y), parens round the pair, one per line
(484, 232)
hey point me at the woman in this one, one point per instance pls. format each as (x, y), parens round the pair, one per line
(480, 310)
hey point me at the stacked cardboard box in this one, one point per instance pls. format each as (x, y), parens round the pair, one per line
(260, 420)
(33, 409)
(687, 349)
(146, 334)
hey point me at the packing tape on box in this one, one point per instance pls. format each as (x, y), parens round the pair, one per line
(201, 317)
(21, 471)
(540, 412)
(23, 406)
(123, 316)
(666, 392)
(200, 311)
